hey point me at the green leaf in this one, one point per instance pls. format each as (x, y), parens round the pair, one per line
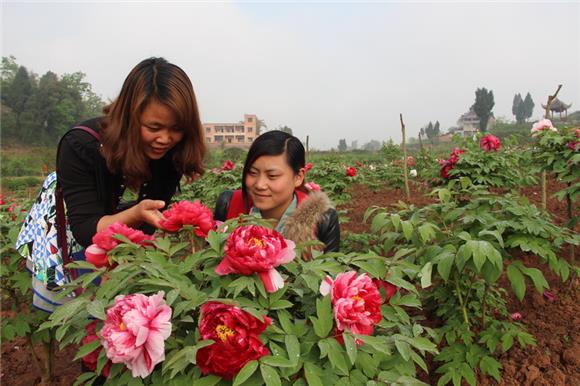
(293, 348)
(281, 304)
(311, 372)
(350, 345)
(96, 309)
(276, 361)
(336, 356)
(246, 372)
(477, 250)
(425, 275)
(287, 325)
(445, 263)
(491, 367)
(407, 229)
(323, 324)
(427, 232)
(467, 373)
(517, 281)
(270, 375)
(375, 268)
(87, 349)
(403, 348)
(210, 380)
(537, 278)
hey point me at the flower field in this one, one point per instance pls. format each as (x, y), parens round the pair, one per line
(465, 279)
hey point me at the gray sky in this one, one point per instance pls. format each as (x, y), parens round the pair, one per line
(331, 70)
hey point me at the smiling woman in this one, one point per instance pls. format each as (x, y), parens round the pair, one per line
(150, 136)
(273, 188)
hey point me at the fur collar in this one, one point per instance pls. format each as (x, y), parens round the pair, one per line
(302, 225)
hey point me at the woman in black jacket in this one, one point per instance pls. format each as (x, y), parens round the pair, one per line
(150, 137)
(273, 188)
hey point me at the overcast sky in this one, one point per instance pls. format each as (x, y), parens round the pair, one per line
(331, 70)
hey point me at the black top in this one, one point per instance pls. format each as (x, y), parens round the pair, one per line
(91, 191)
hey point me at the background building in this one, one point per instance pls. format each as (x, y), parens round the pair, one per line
(240, 134)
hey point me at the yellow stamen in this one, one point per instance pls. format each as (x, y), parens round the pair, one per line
(122, 326)
(256, 242)
(358, 298)
(224, 332)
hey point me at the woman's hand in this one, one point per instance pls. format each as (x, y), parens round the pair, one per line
(149, 211)
(145, 211)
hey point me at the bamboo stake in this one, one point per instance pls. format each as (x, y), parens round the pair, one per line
(307, 146)
(547, 115)
(406, 173)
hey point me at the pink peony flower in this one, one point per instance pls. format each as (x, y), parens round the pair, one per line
(135, 331)
(549, 296)
(236, 335)
(356, 302)
(544, 124)
(227, 165)
(351, 172)
(312, 186)
(254, 249)
(104, 241)
(490, 142)
(308, 166)
(189, 213)
(516, 316)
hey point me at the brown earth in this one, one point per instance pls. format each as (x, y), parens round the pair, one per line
(555, 361)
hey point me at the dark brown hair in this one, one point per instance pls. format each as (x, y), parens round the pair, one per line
(154, 79)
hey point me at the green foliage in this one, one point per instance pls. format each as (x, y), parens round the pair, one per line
(461, 246)
(508, 168)
(39, 110)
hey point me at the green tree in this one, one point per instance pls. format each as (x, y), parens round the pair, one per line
(17, 93)
(516, 105)
(342, 145)
(528, 106)
(260, 123)
(436, 129)
(285, 129)
(483, 105)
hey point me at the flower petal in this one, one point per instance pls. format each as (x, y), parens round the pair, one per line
(272, 280)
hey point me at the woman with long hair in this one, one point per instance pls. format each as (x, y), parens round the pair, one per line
(149, 138)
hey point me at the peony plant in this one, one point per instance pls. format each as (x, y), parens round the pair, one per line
(170, 315)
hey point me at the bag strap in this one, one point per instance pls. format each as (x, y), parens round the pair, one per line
(62, 242)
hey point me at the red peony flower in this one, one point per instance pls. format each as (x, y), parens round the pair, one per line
(447, 167)
(549, 296)
(356, 302)
(237, 339)
(490, 142)
(351, 172)
(228, 165)
(189, 213)
(104, 241)
(411, 161)
(389, 288)
(90, 360)
(308, 166)
(574, 145)
(454, 158)
(254, 249)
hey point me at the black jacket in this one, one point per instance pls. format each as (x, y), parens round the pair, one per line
(314, 217)
(91, 191)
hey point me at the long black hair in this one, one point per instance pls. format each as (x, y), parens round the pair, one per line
(273, 143)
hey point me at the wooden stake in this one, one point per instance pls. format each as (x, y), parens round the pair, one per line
(307, 146)
(406, 173)
(543, 181)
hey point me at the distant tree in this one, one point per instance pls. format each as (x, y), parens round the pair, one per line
(9, 70)
(259, 125)
(285, 129)
(17, 94)
(342, 145)
(516, 105)
(372, 145)
(528, 106)
(483, 105)
(391, 151)
(436, 130)
(354, 145)
(429, 131)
